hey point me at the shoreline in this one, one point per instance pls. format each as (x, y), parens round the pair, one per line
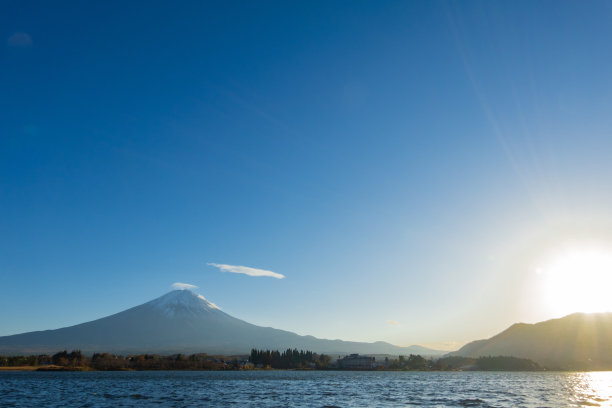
(19, 368)
(88, 369)
(53, 368)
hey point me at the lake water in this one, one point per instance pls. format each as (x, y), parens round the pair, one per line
(304, 389)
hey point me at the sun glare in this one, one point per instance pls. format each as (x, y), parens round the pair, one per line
(577, 281)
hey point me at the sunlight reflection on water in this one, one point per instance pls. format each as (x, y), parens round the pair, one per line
(592, 389)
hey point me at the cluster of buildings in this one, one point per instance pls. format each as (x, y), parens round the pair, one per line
(356, 362)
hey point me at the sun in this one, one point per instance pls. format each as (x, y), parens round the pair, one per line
(577, 280)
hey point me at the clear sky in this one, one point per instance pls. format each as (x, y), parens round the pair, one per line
(409, 167)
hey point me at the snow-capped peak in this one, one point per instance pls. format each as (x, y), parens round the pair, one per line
(183, 302)
(209, 303)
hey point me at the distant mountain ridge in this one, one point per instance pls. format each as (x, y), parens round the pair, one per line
(182, 322)
(578, 341)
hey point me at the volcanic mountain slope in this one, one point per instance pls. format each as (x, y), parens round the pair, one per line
(181, 321)
(577, 341)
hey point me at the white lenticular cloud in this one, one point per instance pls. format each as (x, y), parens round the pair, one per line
(393, 322)
(183, 286)
(245, 270)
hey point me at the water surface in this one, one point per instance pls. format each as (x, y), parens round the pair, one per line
(304, 389)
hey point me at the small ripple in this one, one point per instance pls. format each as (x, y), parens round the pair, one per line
(476, 402)
(139, 396)
(588, 403)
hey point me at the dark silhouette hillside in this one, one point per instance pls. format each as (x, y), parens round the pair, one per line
(579, 341)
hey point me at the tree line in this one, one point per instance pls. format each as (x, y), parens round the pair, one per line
(63, 358)
(111, 362)
(454, 363)
(488, 363)
(290, 358)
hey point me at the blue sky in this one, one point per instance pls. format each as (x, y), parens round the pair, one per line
(403, 162)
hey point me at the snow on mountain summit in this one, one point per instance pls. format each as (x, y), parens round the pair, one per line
(183, 302)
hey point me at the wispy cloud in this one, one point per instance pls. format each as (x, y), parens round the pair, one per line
(183, 286)
(393, 322)
(19, 40)
(245, 270)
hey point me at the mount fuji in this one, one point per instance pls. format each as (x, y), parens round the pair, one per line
(182, 321)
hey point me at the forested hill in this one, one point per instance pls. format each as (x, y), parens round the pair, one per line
(578, 341)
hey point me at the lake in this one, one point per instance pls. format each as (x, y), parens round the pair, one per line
(305, 389)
